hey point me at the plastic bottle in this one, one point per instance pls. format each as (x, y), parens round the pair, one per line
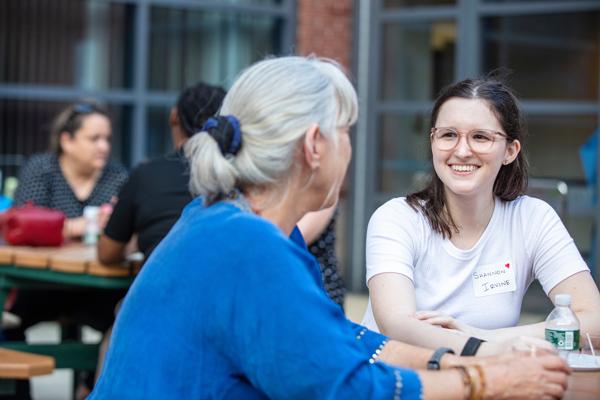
(562, 325)
(92, 229)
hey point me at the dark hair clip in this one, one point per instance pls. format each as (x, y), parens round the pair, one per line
(225, 129)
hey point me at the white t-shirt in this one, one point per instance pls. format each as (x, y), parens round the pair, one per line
(483, 286)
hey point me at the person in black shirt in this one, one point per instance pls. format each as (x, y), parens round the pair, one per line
(151, 201)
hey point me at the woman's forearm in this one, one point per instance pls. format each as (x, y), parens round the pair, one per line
(589, 322)
(419, 333)
(442, 385)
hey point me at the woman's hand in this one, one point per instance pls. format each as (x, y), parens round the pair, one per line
(104, 214)
(74, 228)
(106, 210)
(522, 376)
(448, 322)
(527, 344)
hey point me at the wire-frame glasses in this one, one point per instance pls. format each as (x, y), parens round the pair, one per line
(479, 140)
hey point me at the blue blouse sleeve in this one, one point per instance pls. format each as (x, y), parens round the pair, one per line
(290, 340)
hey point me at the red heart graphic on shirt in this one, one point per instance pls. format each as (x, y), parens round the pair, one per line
(507, 265)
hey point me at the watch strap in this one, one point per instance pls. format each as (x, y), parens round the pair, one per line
(434, 361)
(471, 346)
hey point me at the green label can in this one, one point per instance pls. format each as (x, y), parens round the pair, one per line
(563, 340)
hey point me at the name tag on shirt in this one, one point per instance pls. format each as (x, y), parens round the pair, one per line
(492, 279)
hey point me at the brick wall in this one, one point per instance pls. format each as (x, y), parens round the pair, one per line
(325, 29)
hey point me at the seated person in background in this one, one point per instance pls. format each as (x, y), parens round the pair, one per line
(78, 172)
(230, 306)
(152, 199)
(462, 252)
(318, 230)
(156, 192)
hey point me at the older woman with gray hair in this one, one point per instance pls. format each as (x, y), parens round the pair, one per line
(231, 304)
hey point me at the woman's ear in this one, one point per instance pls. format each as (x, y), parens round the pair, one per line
(512, 151)
(312, 148)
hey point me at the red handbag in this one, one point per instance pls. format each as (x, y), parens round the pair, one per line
(30, 225)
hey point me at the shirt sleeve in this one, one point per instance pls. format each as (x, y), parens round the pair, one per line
(391, 240)
(121, 224)
(369, 339)
(33, 183)
(292, 342)
(554, 254)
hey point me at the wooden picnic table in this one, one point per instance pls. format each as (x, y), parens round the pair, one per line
(15, 365)
(70, 267)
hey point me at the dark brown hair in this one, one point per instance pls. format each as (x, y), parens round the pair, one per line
(511, 181)
(70, 120)
(196, 104)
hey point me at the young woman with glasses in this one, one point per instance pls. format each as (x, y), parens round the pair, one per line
(462, 252)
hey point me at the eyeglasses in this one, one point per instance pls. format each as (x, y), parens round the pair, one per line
(479, 140)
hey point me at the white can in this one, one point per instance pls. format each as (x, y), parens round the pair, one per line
(92, 228)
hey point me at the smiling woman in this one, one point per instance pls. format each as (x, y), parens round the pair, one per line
(462, 252)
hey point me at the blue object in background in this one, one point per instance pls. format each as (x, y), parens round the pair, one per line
(588, 153)
(5, 203)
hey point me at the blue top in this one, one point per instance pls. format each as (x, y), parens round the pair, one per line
(229, 307)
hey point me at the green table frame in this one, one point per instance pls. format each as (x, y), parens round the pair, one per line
(67, 354)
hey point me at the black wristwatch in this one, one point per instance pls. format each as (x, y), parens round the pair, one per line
(471, 346)
(434, 361)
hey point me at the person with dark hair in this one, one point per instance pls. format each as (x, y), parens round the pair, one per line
(152, 199)
(77, 172)
(157, 190)
(462, 252)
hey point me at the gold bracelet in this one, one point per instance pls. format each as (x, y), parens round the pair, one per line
(466, 379)
(475, 384)
(481, 373)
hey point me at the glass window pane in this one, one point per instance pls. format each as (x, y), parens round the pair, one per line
(403, 153)
(553, 56)
(159, 131)
(561, 136)
(418, 59)
(66, 42)
(404, 3)
(188, 46)
(25, 128)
